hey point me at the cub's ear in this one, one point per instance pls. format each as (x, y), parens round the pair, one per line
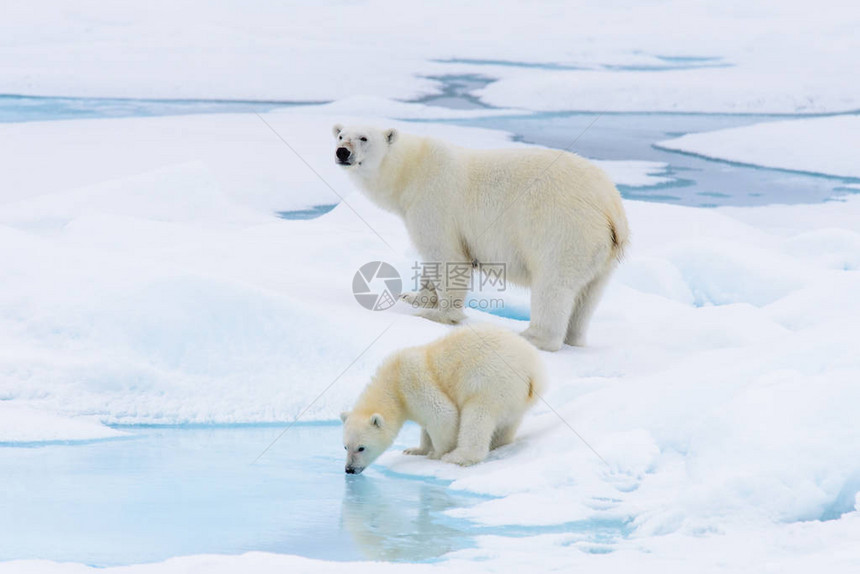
(390, 135)
(336, 129)
(343, 416)
(377, 420)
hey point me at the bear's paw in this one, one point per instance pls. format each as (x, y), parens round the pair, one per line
(444, 316)
(462, 458)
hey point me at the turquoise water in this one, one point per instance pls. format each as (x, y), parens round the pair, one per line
(311, 212)
(174, 491)
(14, 108)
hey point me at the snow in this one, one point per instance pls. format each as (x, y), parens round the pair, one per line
(674, 55)
(172, 281)
(144, 282)
(714, 90)
(22, 425)
(826, 145)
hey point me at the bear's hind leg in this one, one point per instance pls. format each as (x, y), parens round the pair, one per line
(551, 306)
(424, 448)
(584, 308)
(476, 432)
(505, 434)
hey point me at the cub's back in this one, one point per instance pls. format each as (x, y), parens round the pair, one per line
(476, 359)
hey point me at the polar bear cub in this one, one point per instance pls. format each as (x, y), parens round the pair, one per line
(468, 391)
(552, 218)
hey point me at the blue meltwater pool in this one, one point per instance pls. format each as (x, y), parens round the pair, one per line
(172, 491)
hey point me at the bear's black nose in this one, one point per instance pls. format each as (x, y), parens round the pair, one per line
(349, 469)
(342, 154)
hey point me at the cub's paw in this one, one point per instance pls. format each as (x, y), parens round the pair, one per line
(447, 316)
(462, 458)
(420, 299)
(417, 451)
(433, 455)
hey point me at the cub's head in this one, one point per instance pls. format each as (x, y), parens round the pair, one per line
(361, 148)
(364, 439)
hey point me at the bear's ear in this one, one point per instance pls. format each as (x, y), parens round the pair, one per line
(336, 129)
(390, 135)
(377, 420)
(343, 416)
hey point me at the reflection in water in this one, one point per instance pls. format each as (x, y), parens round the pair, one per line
(384, 528)
(405, 520)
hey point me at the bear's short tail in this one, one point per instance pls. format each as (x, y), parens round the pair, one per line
(619, 233)
(536, 386)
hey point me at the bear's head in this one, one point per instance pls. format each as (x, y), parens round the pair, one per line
(365, 437)
(360, 148)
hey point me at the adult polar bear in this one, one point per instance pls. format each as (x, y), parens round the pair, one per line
(553, 218)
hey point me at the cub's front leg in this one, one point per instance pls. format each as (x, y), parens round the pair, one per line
(425, 447)
(439, 417)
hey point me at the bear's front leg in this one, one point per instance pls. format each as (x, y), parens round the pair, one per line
(446, 269)
(443, 435)
(436, 300)
(476, 431)
(426, 445)
(442, 430)
(425, 297)
(449, 308)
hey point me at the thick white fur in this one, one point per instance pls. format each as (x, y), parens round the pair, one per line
(468, 391)
(555, 219)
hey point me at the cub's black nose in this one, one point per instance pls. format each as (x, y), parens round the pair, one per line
(342, 154)
(349, 469)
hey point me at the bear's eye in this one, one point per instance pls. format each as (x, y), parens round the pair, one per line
(361, 449)
(340, 137)
(364, 139)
